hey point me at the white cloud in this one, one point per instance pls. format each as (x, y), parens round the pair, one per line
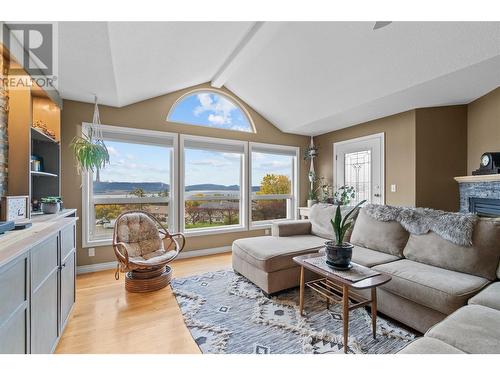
(217, 119)
(112, 151)
(219, 107)
(274, 164)
(210, 162)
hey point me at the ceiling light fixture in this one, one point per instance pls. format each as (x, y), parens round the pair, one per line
(380, 24)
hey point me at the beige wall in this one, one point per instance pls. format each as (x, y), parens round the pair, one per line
(151, 114)
(441, 155)
(483, 120)
(399, 133)
(424, 149)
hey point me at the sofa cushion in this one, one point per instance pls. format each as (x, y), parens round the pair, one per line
(489, 297)
(370, 258)
(429, 345)
(473, 329)
(271, 253)
(290, 228)
(436, 288)
(321, 215)
(480, 259)
(386, 236)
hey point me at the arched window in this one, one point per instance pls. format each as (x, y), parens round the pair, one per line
(212, 109)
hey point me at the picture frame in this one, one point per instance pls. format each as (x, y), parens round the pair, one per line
(15, 208)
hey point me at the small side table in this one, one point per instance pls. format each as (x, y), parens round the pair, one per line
(338, 290)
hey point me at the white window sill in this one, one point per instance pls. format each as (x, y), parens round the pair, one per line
(193, 233)
(210, 231)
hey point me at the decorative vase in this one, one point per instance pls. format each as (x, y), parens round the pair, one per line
(311, 202)
(338, 256)
(50, 208)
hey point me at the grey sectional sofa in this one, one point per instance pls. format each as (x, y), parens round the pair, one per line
(431, 277)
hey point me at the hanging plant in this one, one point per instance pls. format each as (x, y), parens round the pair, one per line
(90, 150)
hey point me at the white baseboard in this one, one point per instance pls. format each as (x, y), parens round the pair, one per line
(188, 254)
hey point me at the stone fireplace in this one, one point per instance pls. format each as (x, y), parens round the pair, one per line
(480, 194)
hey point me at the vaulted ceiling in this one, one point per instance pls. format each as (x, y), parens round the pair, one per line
(305, 77)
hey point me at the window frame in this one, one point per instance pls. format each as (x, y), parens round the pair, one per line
(88, 199)
(243, 226)
(294, 196)
(226, 95)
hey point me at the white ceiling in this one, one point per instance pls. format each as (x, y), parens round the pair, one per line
(305, 77)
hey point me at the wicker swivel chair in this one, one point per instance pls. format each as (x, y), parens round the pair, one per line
(143, 247)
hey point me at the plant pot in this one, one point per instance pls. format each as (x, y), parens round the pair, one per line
(338, 256)
(311, 202)
(50, 208)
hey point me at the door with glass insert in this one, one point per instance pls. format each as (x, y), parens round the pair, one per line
(359, 163)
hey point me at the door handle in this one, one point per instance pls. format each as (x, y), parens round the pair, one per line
(376, 195)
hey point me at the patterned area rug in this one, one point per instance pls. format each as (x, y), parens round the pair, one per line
(226, 313)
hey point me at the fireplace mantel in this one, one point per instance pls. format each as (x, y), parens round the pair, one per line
(481, 178)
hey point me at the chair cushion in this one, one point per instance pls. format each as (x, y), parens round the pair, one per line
(489, 297)
(480, 259)
(153, 259)
(370, 258)
(385, 236)
(271, 253)
(473, 329)
(139, 233)
(433, 287)
(429, 345)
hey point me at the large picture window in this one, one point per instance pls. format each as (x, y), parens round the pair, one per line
(273, 183)
(213, 184)
(140, 176)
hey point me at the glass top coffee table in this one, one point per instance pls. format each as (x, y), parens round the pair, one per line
(341, 287)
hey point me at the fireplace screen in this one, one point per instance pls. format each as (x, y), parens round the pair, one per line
(486, 207)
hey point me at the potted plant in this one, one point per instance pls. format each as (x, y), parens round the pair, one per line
(51, 205)
(344, 194)
(90, 150)
(313, 198)
(338, 252)
(90, 153)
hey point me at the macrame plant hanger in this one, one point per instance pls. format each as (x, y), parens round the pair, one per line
(95, 130)
(95, 133)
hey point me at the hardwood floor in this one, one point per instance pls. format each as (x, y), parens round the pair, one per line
(106, 319)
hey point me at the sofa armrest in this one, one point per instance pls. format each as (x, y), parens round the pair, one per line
(291, 228)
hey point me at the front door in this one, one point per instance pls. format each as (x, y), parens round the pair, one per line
(359, 163)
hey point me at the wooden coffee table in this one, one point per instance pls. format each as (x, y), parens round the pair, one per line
(339, 290)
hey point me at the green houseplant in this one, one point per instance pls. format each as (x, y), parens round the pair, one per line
(338, 252)
(90, 153)
(51, 205)
(90, 150)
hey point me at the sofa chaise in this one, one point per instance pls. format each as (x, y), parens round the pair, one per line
(431, 276)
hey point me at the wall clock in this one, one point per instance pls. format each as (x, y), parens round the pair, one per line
(15, 208)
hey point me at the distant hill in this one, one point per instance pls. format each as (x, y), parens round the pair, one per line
(156, 187)
(127, 187)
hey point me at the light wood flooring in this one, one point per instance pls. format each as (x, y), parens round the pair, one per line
(106, 319)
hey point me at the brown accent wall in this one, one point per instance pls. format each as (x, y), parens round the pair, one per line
(441, 155)
(424, 149)
(400, 161)
(151, 114)
(483, 120)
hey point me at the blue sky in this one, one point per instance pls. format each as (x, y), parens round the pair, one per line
(212, 110)
(131, 162)
(144, 163)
